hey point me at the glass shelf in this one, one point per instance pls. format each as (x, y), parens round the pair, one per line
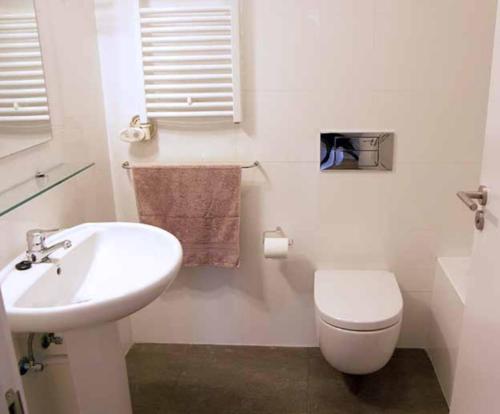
(21, 193)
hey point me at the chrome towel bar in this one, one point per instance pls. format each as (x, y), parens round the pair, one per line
(126, 165)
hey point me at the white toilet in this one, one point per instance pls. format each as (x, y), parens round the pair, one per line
(358, 317)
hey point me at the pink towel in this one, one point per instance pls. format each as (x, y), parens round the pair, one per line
(199, 205)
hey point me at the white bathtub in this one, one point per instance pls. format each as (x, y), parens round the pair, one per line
(447, 307)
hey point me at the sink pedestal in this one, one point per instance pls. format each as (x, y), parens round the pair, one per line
(110, 271)
(98, 369)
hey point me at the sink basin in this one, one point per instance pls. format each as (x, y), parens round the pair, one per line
(112, 270)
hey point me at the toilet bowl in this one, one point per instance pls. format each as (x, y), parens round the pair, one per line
(358, 318)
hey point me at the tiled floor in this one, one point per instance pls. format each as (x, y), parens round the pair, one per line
(187, 379)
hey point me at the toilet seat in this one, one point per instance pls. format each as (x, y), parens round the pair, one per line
(358, 300)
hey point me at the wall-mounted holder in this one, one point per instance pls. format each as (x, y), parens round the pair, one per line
(357, 151)
(277, 232)
(276, 244)
(138, 131)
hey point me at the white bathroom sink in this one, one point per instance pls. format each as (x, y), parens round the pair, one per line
(111, 271)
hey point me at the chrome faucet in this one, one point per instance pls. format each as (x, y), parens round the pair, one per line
(38, 251)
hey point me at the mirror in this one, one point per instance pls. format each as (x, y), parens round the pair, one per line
(24, 109)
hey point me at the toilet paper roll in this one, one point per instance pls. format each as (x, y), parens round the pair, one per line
(275, 247)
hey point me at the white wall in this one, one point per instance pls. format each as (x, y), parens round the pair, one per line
(68, 37)
(420, 68)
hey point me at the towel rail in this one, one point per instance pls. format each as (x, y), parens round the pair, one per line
(18, 36)
(18, 118)
(22, 92)
(194, 105)
(173, 39)
(186, 58)
(152, 10)
(186, 95)
(126, 165)
(204, 77)
(22, 55)
(21, 73)
(24, 110)
(186, 114)
(21, 64)
(24, 45)
(191, 50)
(186, 29)
(188, 87)
(23, 97)
(186, 19)
(17, 26)
(167, 68)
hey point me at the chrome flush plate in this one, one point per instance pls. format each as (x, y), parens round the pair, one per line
(356, 151)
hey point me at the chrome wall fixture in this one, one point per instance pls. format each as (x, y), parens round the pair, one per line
(38, 251)
(138, 131)
(28, 363)
(126, 165)
(356, 151)
(468, 198)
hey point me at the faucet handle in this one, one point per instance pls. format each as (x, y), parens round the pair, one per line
(36, 238)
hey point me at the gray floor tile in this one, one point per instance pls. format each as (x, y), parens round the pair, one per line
(192, 379)
(406, 385)
(244, 380)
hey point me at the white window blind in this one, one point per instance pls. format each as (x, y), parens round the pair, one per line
(23, 95)
(191, 61)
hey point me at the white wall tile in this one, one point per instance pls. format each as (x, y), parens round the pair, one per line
(280, 45)
(287, 195)
(445, 325)
(431, 126)
(346, 40)
(324, 65)
(423, 45)
(415, 319)
(448, 57)
(280, 127)
(394, 65)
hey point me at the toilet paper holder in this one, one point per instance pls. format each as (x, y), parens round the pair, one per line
(277, 230)
(149, 127)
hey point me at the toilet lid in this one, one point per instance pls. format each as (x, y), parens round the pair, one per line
(357, 300)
